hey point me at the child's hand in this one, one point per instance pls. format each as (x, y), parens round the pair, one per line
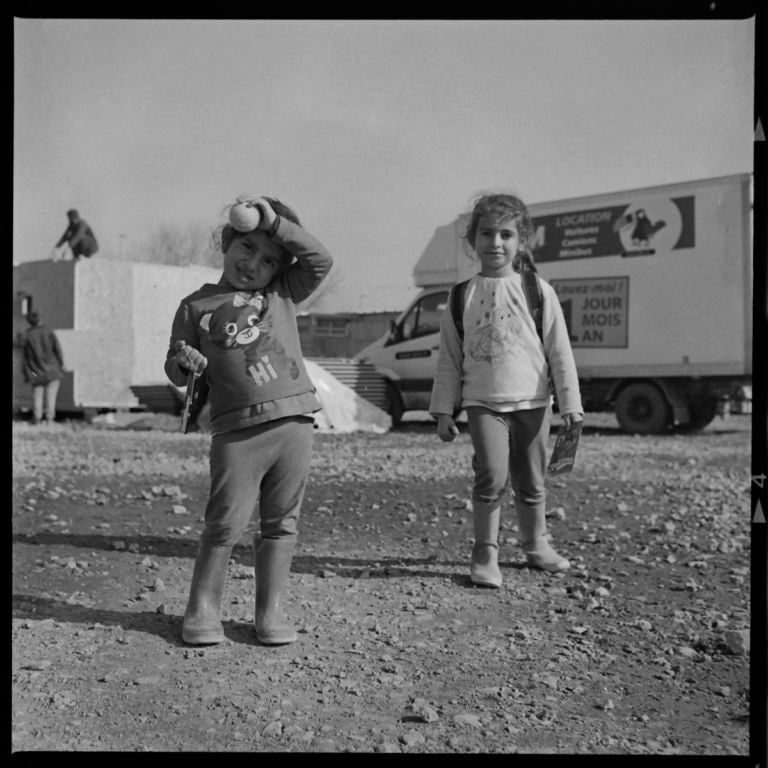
(268, 215)
(190, 358)
(569, 419)
(446, 428)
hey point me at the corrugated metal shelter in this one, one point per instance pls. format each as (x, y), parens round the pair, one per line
(360, 377)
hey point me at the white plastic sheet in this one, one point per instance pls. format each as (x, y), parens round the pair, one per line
(343, 409)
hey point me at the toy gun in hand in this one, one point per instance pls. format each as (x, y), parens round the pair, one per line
(189, 397)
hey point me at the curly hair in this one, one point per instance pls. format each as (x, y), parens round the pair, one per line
(223, 235)
(506, 206)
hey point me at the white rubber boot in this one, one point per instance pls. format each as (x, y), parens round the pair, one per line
(484, 567)
(535, 542)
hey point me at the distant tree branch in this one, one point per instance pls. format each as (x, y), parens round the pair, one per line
(177, 246)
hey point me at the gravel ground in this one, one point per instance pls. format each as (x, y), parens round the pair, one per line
(642, 648)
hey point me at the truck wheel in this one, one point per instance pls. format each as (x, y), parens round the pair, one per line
(394, 404)
(642, 409)
(702, 412)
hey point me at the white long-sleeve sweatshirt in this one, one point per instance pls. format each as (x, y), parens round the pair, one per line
(502, 364)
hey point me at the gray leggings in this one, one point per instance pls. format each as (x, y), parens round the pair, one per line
(510, 446)
(44, 400)
(268, 465)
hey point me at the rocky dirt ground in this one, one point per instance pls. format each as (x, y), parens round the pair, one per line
(641, 648)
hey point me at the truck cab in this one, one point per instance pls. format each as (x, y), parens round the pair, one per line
(406, 356)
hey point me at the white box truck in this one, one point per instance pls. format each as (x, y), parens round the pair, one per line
(656, 288)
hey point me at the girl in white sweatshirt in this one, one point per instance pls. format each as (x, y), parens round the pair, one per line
(499, 371)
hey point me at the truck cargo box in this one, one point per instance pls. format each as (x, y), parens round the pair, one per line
(655, 281)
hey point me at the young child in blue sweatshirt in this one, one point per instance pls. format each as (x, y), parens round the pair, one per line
(242, 333)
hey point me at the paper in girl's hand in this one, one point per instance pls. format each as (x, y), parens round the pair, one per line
(564, 453)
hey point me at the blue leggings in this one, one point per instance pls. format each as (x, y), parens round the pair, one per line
(265, 465)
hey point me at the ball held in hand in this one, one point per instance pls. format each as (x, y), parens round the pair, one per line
(244, 217)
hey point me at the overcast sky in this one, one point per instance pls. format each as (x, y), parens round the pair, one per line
(375, 132)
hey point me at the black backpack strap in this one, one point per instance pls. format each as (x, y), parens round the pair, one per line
(533, 296)
(456, 301)
(535, 299)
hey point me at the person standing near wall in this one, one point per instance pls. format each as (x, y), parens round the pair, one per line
(79, 236)
(43, 368)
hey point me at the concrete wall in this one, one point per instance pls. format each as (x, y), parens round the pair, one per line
(113, 319)
(157, 291)
(100, 348)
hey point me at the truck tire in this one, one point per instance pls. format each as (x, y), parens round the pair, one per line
(702, 412)
(394, 404)
(642, 409)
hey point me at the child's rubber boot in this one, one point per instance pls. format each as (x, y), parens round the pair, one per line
(272, 568)
(540, 554)
(484, 567)
(202, 622)
(535, 542)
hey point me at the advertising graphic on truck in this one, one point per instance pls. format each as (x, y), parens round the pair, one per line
(656, 288)
(637, 229)
(595, 310)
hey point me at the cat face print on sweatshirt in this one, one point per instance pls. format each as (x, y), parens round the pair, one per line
(235, 323)
(242, 324)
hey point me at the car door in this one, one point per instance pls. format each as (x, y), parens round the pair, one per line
(414, 346)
